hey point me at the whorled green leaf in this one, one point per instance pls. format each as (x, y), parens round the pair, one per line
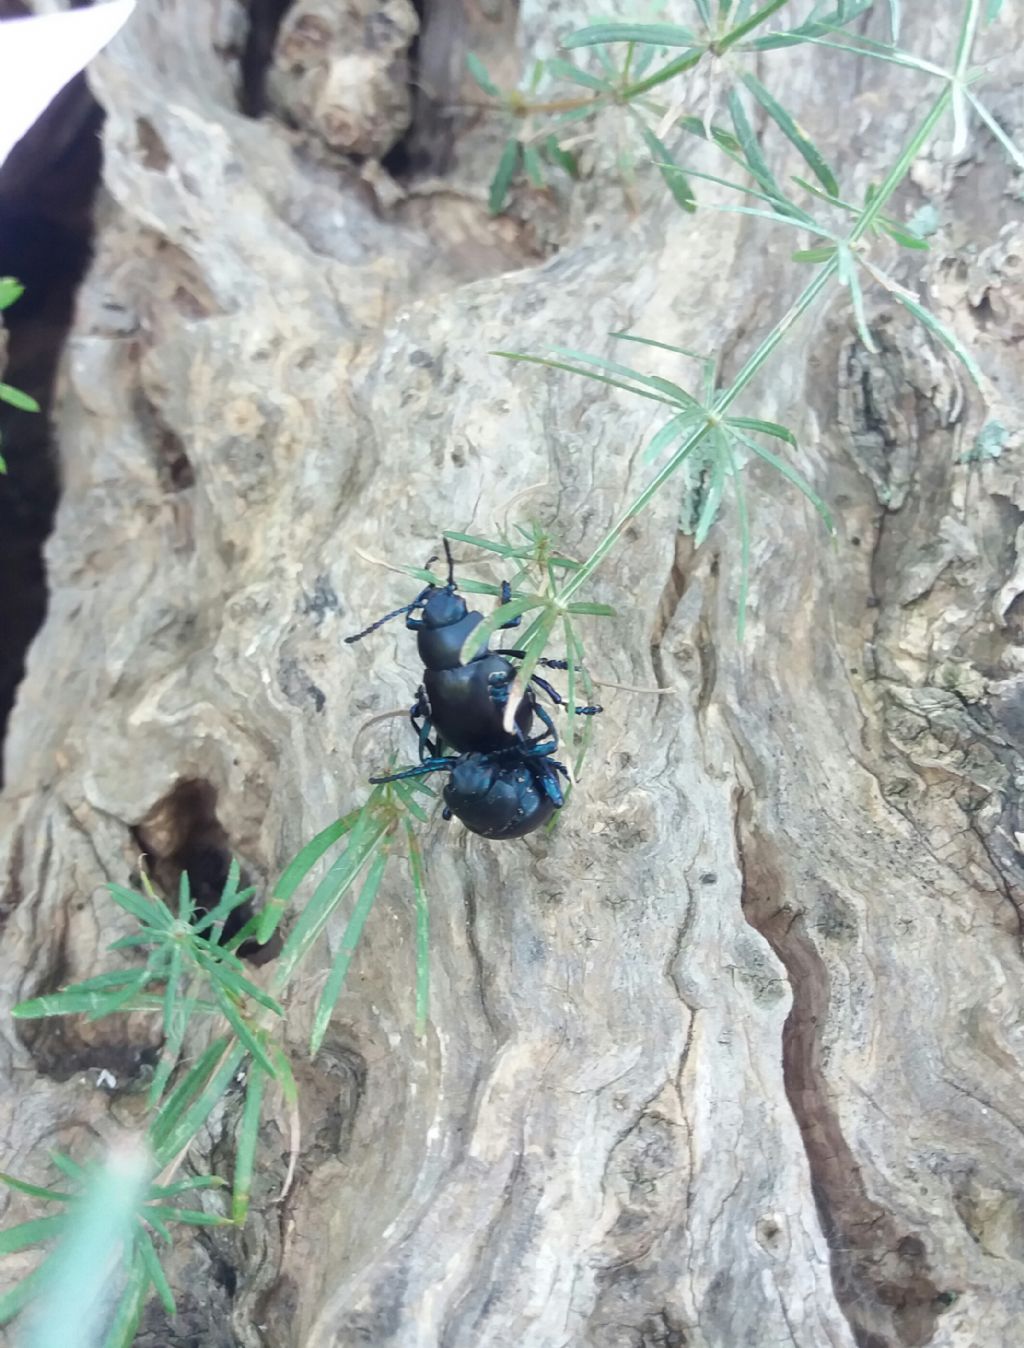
(10, 290)
(479, 73)
(297, 870)
(791, 475)
(15, 397)
(820, 254)
(245, 1145)
(349, 941)
(565, 70)
(675, 179)
(482, 633)
(503, 175)
(813, 28)
(154, 1271)
(564, 159)
(804, 146)
(533, 167)
(946, 336)
(666, 387)
(741, 30)
(26, 1234)
(771, 428)
(648, 34)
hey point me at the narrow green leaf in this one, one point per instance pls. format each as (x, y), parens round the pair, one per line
(406, 793)
(1004, 140)
(820, 254)
(722, 443)
(813, 28)
(155, 1272)
(349, 941)
(152, 913)
(226, 975)
(422, 929)
(791, 475)
(194, 1086)
(596, 610)
(503, 175)
(16, 398)
(565, 70)
(565, 160)
(756, 163)
(478, 70)
(809, 152)
(10, 290)
(694, 126)
(130, 1307)
(27, 1234)
(532, 166)
(283, 1075)
(35, 1190)
(673, 430)
(742, 29)
(771, 428)
(903, 236)
(935, 325)
(587, 374)
(245, 1146)
(189, 1216)
(329, 892)
(650, 34)
(712, 499)
(675, 179)
(482, 633)
(74, 1002)
(186, 1186)
(68, 1167)
(847, 277)
(488, 545)
(664, 386)
(297, 870)
(252, 1038)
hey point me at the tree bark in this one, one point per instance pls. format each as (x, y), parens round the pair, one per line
(734, 1056)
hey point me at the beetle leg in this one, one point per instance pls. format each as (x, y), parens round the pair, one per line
(506, 595)
(427, 766)
(421, 711)
(547, 780)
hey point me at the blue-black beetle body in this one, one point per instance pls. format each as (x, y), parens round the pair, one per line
(503, 794)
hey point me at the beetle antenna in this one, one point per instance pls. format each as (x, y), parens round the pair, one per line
(406, 608)
(451, 563)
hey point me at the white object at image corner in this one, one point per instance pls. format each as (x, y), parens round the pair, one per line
(39, 55)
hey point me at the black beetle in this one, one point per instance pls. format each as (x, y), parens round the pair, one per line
(503, 794)
(473, 708)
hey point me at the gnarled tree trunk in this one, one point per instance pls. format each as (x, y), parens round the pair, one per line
(734, 1057)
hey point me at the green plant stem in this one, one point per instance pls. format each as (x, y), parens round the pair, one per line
(754, 363)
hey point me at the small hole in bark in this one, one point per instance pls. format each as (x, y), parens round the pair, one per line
(182, 833)
(151, 147)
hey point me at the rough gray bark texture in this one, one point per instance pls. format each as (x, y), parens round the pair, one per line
(733, 1058)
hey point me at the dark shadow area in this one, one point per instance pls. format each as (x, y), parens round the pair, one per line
(47, 188)
(265, 18)
(182, 834)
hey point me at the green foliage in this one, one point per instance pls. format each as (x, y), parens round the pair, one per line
(11, 290)
(639, 63)
(182, 968)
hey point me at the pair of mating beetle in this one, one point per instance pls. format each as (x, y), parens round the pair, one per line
(503, 781)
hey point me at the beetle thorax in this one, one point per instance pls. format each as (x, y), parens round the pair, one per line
(446, 625)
